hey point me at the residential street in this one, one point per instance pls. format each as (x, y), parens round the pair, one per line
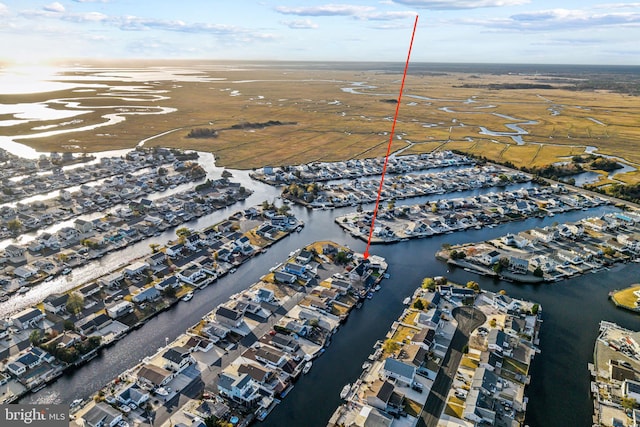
(468, 319)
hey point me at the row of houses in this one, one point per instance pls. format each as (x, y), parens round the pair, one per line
(325, 171)
(51, 253)
(566, 249)
(450, 215)
(135, 160)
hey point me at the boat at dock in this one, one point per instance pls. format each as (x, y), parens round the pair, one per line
(307, 367)
(345, 391)
(406, 301)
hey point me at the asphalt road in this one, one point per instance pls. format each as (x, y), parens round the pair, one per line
(468, 319)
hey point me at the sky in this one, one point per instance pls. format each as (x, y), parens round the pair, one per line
(486, 31)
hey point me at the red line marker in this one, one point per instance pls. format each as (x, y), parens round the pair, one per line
(393, 129)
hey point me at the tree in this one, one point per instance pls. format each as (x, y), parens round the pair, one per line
(628, 403)
(69, 325)
(226, 174)
(428, 283)
(535, 308)
(391, 346)
(473, 285)
(493, 323)
(183, 232)
(391, 205)
(169, 292)
(14, 225)
(341, 258)
(75, 303)
(35, 337)
(538, 272)
(284, 209)
(418, 305)
(154, 247)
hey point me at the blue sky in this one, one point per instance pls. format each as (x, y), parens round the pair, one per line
(502, 31)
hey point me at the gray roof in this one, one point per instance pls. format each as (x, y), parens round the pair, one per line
(101, 414)
(399, 368)
(385, 392)
(175, 355)
(228, 313)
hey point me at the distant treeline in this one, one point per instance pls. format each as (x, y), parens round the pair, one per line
(202, 133)
(213, 133)
(499, 86)
(248, 125)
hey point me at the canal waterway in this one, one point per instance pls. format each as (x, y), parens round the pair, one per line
(559, 390)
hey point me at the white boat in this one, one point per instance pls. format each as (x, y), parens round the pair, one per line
(187, 297)
(366, 365)
(162, 391)
(406, 301)
(66, 271)
(23, 290)
(307, 367)
(75, 403)
(377, 288)
(345, 391)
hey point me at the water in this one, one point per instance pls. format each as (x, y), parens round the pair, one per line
(559, 390)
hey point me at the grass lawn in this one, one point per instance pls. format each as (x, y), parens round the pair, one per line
(515, 366)
(626, 297)
(403, 333)
(412, 408)
(469, 363)
(339, 310)
(410, 317)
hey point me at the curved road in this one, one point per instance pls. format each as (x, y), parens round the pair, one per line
(468, 319)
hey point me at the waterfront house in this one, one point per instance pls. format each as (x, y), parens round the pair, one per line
(14, 251)
(83, 226)
(56, 303)
(270, 357)
(490, 258)
(151, 376)
(68, 234)
(279, 221)
(16, 368)
(101, 415)
(24, 272)
(175, 250)
(112, 280)
(29, 360)
(176, 359)
(631, 389)
(399, 371)
(518, 265)
(89, 324)
(497, 341)
(148, 294)
(264, 295)
(228, 317)
(171, 281)
(430, 319)
(119, 309)
(27, 318)
(193, 275)
(295, 269)
(424, 338)
(382, 395)
(239, 388)
(135, 269)
(283, 277)
(287, 343)
(90, 289)
(132, 394)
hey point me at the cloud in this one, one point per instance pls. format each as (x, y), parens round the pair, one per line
(459, 4)
(325, 10)
(4, 10)
(558, 19)
(389, 16)
(364, 13)
(55, 7)
(300, 24)
(91, 1)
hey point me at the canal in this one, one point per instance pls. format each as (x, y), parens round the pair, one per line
(559, 389)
